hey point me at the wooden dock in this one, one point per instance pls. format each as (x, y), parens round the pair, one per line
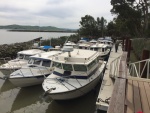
(107, 85)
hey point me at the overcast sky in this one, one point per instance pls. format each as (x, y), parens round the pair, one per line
(58, 13)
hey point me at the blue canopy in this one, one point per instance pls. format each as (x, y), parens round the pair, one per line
(47, 47)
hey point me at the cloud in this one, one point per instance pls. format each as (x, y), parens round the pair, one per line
(59, 13)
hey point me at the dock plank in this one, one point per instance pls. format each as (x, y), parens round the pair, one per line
(129, 97)
(144, 99)
(118, 97)
(147, 89)
(136, 96)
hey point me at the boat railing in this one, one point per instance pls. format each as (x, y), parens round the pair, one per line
(140, 69)
(114, 67)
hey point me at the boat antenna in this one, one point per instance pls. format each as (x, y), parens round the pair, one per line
(66, 40)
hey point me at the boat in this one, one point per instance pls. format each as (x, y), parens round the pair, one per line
(39, 67)
(106, 41)
(76, 73)
(21, 60)
(69, 43)
(103, 49)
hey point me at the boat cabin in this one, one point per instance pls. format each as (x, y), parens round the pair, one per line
(80, 64)
(43, 59)
(27, 53)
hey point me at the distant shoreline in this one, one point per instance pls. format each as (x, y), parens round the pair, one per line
(41, 31)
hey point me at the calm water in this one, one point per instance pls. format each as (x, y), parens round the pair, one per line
(30, 99)
(7, 37)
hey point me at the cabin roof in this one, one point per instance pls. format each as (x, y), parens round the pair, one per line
(31, 51)
(99, 46)
(47, 55)
(78, 56)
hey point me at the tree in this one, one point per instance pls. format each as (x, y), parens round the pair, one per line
(101, 24)
(133, 15)
(89, 27)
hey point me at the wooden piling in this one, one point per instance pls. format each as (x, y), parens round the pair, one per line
(129, 49)
(126, 44)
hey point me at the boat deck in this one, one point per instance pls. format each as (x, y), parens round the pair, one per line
(107, 85)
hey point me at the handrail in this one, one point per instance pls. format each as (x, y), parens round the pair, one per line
(114, 67)
(140, 68)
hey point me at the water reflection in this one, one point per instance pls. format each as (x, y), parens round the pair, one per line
(27, 96)
(7, 85)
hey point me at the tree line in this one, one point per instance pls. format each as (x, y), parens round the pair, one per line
(132, 19)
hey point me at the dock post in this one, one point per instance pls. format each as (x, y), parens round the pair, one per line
(126, 44)
(145, 55)
(129, 49)
(123, 43)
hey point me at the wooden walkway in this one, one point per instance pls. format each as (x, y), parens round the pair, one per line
(130, 94)
(107, 85)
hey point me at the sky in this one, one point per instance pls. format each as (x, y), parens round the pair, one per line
(58, 13)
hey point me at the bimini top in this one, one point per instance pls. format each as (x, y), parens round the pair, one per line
(31, 52)
(47, 55)
(99, 46)
(77, 56)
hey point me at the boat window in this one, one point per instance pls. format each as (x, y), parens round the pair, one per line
(91, 48)
(80, 67)
(95, 49)
(58, 65)
(37, 62)
(20, 56)
(80, 47)
(46, 63)
(30, 61)
(103, 49)
(67, 67)
(91, 64)
(26, 57)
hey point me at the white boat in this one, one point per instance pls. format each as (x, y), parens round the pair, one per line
(108, 42)
(93, 41)
(21, 60)
(103, 49)
(39, 67)
(69, 43)
(75, 74)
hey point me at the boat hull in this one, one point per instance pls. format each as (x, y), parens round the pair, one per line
(6, 72)
(27, 81)
(77, 92)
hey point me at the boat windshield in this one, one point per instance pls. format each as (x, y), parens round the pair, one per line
(67, 67)
(20, 56)
(79, 67)
(58, 65)
(95, 49)
(30, 61)
(92, 64)
(37, 61)
(46, 63)
(26, 57)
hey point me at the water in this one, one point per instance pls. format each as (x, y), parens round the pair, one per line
(30, 99)
(8, 37)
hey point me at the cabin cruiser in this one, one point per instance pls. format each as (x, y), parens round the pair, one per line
(39, 67)
(69, 43)
(103, 49)
(107, 42)
(21, 60)
(75, 74)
